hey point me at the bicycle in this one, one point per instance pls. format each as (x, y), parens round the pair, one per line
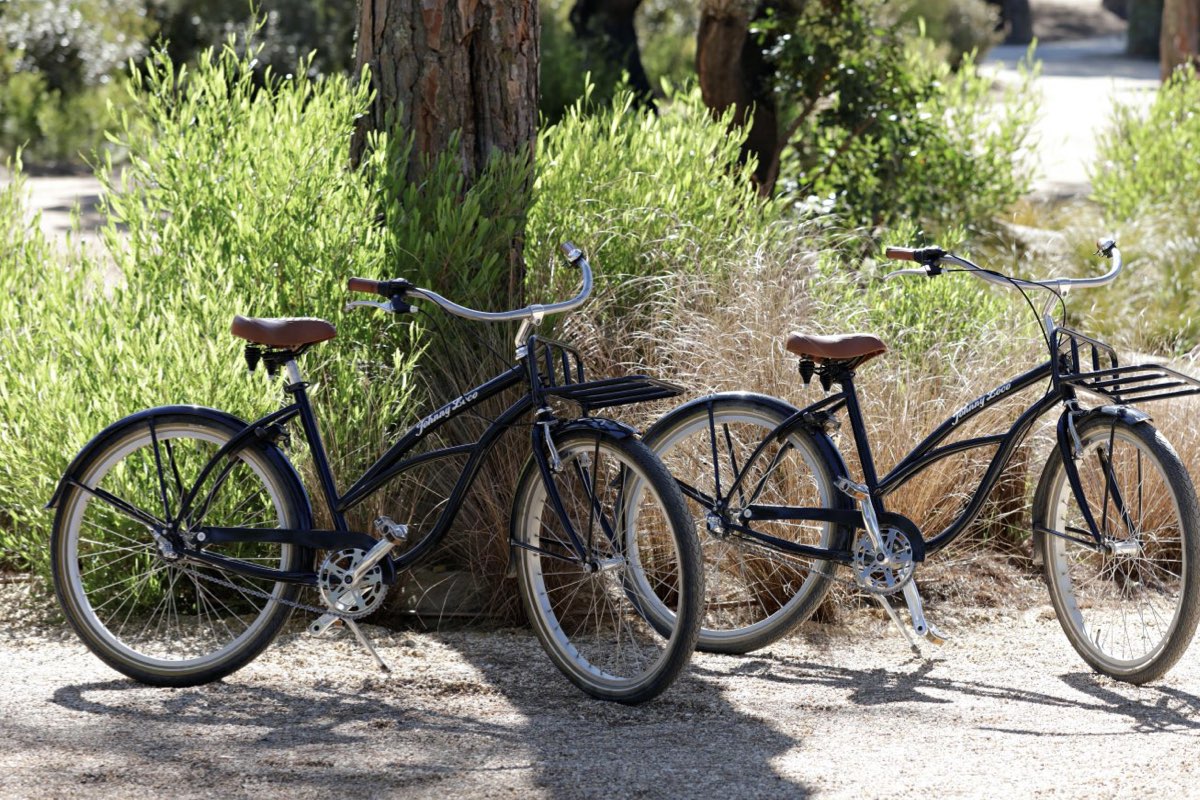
(184, 536)
(1114, 516)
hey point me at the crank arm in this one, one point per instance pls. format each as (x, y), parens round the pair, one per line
(323, 623)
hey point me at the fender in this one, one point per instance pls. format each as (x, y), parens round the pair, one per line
(84, 456)
(1133, 416)
(786, 413)
(617, 429)
(1127, 413)
(538, 459)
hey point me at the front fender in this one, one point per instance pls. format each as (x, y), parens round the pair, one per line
(1128, 414)
(611, 426)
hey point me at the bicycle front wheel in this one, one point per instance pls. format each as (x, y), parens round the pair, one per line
(755, 593)
(155, 618)
(631, 521)
(1130, 606)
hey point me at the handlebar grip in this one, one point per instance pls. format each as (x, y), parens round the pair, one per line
(364, 285)
(900, 253)
(571, 252)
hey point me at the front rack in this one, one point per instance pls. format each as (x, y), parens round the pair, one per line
(617, 392)
(558, 371)
(1091, 365)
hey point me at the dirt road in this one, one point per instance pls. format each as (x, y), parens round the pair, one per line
(1005, 709)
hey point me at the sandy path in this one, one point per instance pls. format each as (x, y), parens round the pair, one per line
(1080, 82)
(1005, 709)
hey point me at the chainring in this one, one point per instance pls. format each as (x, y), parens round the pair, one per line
(333, 580)
(891, 572)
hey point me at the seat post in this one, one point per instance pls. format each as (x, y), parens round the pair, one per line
(293, 372)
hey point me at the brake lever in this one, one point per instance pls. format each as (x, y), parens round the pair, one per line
(899, 272)
(382, 305)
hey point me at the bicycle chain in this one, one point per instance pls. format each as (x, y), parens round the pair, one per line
(806, 565)
(318, 610)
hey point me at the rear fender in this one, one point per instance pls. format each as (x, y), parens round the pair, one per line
(85, 456)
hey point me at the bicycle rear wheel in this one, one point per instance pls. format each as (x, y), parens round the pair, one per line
(632, 521)
(1131, 608)
(754, 594)
(162, 621)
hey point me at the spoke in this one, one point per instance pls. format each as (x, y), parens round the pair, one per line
(108, 564)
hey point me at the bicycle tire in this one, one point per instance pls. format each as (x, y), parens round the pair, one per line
(168, 627)
(754, 595)
(592, 624)
(1100, 598)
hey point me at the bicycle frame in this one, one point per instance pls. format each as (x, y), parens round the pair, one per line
(928, 452)
(392, 463)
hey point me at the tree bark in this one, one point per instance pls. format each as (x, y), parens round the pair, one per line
(1145, 28)
(613, 21)
(1180, 39)
(469, 66)
(1017, 18)
(733, 72)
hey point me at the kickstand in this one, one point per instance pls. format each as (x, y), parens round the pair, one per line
(365, 642)
(891, 612)
(326, 621)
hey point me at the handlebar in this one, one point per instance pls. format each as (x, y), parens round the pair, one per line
(532, 313)
(934, 259)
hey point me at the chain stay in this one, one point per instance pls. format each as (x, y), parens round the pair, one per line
(264, 595)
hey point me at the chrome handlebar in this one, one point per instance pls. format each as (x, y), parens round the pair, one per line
(1106, 247)
(532, 313)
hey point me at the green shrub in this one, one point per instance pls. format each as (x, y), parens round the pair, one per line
(882, 132)
(646, 192)
(37, 370)
(958, 27)
(60, 67)
(1151, 162)
(1144, 179)
(51, 127)
(236, 200)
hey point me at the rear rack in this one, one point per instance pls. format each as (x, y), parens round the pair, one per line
(557, 370)
(1091, 365)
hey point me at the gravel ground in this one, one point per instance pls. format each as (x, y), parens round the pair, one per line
(1006, 708)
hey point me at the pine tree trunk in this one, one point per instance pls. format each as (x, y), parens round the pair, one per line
(1180, 39)
(613, 20)
(733, 72)
(1145, 28)
(469, 66)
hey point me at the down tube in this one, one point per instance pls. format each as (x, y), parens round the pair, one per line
(925, 455)
(470, 470)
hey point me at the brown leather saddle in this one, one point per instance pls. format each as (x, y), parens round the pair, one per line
(288, 333)
(857, 347)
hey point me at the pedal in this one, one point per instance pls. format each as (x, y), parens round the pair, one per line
(934, 636)
(391, 530)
